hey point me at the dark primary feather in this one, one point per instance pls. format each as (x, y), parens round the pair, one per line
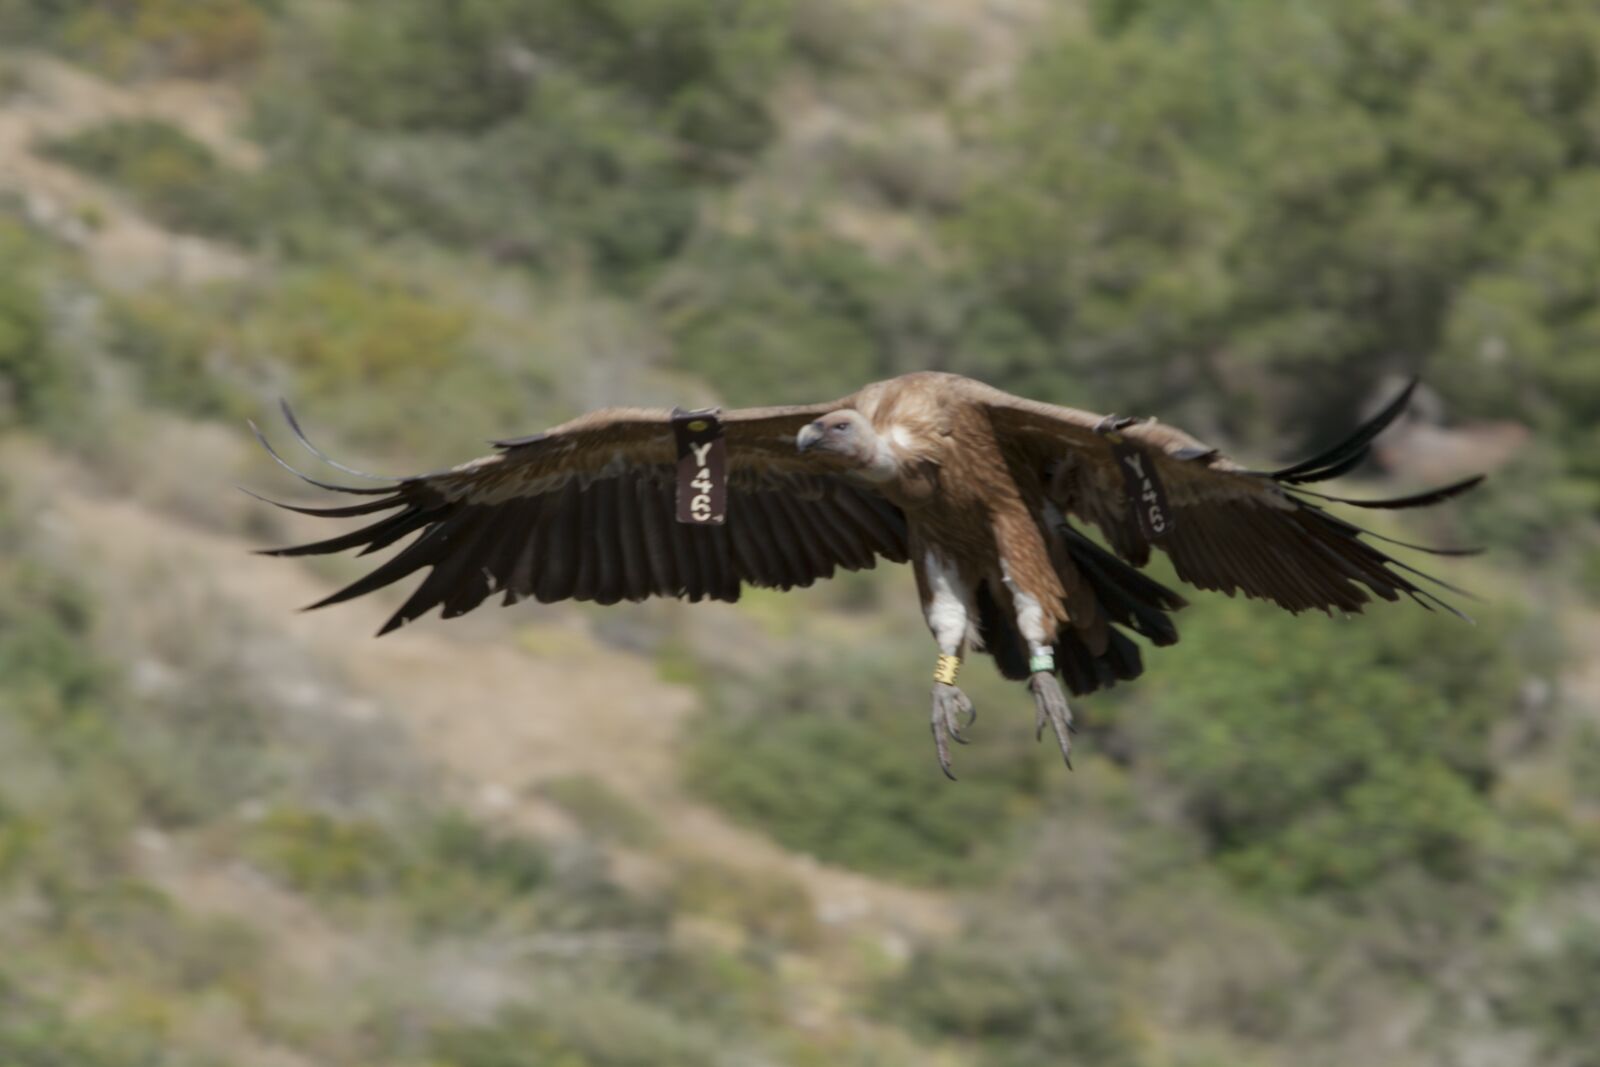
(280, 461)
(1345, 455)
(300, 435)
(1398, 503)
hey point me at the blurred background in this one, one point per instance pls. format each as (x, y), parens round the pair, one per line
(658, 835)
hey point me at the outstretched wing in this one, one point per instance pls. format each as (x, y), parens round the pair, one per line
(1224, 527)
(586, 511)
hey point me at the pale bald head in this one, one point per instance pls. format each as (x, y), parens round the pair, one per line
(845, 433)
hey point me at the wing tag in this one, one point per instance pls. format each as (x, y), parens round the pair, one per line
(702, 467)
(1147, 498)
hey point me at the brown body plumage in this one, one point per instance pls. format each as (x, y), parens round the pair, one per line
(976, 488)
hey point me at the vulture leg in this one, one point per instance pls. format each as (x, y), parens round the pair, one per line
(947, 604)
(1049, 702)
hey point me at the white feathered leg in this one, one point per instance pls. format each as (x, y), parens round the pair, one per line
(950, 616)
(1049, 702)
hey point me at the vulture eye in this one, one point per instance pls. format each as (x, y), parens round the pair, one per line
(839, 427)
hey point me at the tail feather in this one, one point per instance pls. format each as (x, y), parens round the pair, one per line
(1001, 638)
(1129, 598)
(1084, 672)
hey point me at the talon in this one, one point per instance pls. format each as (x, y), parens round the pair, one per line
(1050, 705)
(949, 704)
(942, 747)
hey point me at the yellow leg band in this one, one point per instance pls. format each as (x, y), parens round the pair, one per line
(946, 670)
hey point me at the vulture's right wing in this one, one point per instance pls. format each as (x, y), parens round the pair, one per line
(1263, 533)
(587, 511)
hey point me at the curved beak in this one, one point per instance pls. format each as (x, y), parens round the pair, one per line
(809, 435)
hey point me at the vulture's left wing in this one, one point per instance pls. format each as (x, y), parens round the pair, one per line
(587, 511)
(1224, 527)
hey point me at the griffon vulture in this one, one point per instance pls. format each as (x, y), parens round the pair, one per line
(979, 490)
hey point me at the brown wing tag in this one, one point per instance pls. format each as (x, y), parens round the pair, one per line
(1147, 498)
(702, 467)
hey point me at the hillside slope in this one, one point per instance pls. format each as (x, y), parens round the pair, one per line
(554, 835)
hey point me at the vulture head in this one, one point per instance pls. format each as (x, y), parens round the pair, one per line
(848, 434)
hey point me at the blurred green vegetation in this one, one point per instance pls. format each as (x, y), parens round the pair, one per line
(601, 811)
(146, 38)
(1022, 1004)
(588, 132)
(1548, 997)
(822, 755)
(100, 787)
(37, 380)
(176, 179)
(1308, 197)
(1298, 786)
(176, 356)
(1292, 841)
(1293, 201)
(1268, 739)
(36, 1035)
(579, 1034)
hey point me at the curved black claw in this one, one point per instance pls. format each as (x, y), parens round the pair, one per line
(949, 705)
(1050, 705)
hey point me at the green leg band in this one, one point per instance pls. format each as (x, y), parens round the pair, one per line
(1042, 661)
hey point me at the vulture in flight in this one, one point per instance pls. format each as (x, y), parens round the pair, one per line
(985, 494)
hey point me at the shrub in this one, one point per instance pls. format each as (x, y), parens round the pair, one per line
(445, 874)
(35, 378)
(181, 356)
(379, 352)
(1533, 507)
(575, 182)
(1551, 997)
(703, 73)
(1320, 756)
(341, 330)
(582, 1028)
(44, 629)
(767, 907)
(461, 876)
(35, 1033)
(560, 134)
(602, 811)
(18, 836)
(795, 313)
(452, 863)
(13, 82)
(145, 938)
(780, 318)
(387, 358)
(169, 174)
(1019, 995)
(834, 760)
(320, 855)
(133, 38)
